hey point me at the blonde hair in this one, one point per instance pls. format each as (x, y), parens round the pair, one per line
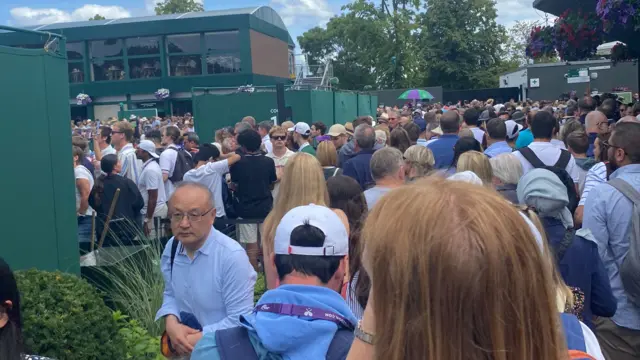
(465, 132)
(277, 130)
(459, 292)
(327, 154)
(507, 168)
(420, 158)
(478, 163)
(287, 124)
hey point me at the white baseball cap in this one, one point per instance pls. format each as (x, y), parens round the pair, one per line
(301, 128)
(513, 129)
(148, 146)
(336, 241)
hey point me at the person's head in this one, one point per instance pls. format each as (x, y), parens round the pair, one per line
(250, 120)
(229, 145)
(301, 133)
(146, 150)
(155, 136)
(586, 105)
(240, 127)
(105, 135)
(80, 142)
(627, 118)
(413, 131)
(318, 129)
(78, 155)
(207, 153)
(302, 183)
(543, 125)
(393, 119)
(387, 167)
(121, 134)
(311, 247)
(478, 163)
(600, 149)
(191, 141)
(570, 126)
(451, 280)
(496, 130)
(278, 137)
(506, 169)
(623, 146)
(450, 122)
(250, 140)
(11, 341)
(110, 165)
(470, 117)
(404, 120)
(327, 154)
(596, 122)
(171, 135)
(577, 143)
(419, 161)
(464, 144)
(287, 124)
(338, 134)
(264, 128)
(192, 212)
(365, 137)
(400, 139)
(381, 137)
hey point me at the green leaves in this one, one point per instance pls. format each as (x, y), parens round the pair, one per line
(139, 344)
(178, 7)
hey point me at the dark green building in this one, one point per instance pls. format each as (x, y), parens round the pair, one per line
(127, 60)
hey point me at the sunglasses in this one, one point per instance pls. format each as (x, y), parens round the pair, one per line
(279, 137)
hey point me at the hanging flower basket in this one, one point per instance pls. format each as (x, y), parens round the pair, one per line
(623, 13)
(83, 99)
(162, 94)
(246, 88)
(621, 52)
(577, 35)
(540, 43)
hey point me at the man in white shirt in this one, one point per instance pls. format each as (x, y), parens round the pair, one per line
(121, 138)
(168, 157)
(103, 140)
(151, 187)
(280, 155)
(542, 127)
(264, 129)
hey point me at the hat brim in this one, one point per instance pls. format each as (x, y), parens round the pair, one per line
(291, 129)
(336, 134)
(153, 154)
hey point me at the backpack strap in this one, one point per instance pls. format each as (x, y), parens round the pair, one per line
(234, 344)
(174, 250)
(564, 159)
(566, 242)
(626, 189)
(340, 345)
(336, 171)
(573, 332)
(531, 157)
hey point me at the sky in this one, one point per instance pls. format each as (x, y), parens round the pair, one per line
(298, 15)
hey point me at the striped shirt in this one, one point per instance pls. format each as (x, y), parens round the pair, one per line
(352, 300)
(596, 175)
(130, 163)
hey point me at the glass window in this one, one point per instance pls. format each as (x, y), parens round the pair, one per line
(188, 43)
(106, 48)
(185, 65)
(143, 46)
(227, 40)
(76, 72)
(144, 68)
(108, 70)
(221, 64)
(75, 51)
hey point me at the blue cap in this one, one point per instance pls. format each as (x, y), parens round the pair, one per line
(422, 124)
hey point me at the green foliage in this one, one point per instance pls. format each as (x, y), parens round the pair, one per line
(65, 318)
(98, 17)
(260, 288)
(139, 344)
(178, 7)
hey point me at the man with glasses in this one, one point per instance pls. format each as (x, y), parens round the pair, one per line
(121, 139)
(279, 153)
(209, 281)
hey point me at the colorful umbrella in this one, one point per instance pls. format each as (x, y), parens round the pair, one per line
(416, 94)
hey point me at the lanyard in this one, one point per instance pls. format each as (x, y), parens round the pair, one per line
(306, 311)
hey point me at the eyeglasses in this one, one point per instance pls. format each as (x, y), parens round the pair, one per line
(193, 217)
(279, 137)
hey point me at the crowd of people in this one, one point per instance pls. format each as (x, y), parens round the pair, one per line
(467, 231)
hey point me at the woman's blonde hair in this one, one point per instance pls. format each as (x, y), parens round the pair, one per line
(507, 168)
(420, 158)
(478, 163)
(471, 284)
(327, 154)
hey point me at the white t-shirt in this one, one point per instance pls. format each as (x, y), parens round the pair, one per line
(82, 172)
(167, 165)
(151, 179)
(559, 144)
(478, 134)
(591, 343)
(210, 175)
(109, 150)
(280, 163)
(549, 155)
(266, 141)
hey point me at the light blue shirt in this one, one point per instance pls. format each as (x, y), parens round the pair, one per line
(216, 286)
(374, 194)
(495, 149)
(525, 137)
(607, 213)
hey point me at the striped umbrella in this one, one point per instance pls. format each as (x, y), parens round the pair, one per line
(416, 94)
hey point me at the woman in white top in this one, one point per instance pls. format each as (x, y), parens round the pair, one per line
(84, 184)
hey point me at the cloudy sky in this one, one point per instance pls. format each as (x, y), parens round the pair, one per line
(299, 15)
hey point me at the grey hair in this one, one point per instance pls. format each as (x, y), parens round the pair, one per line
(507, 168)
(242, 126)
(197, 185)
(266, 125)
(385, 162)
(365, 136)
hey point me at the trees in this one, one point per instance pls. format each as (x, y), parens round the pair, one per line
(517, 43)
(98, 17)
(178, 6)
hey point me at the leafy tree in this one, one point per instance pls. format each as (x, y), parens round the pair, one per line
(178, 7)
(98, 17)
(517, 43)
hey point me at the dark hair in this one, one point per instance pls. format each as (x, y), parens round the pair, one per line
(361, 120)
(543, 125)
(626, 135)
(322, 267)
(266, 126)
(80, 142)
(497, 129)
(105, 132)
(192, 137)
(602, 138)
(463, 145)
(108, 162)
(320, 126)
(206, 152)
(636, 109)
(154, 135)
(11, 342)
(173, 132)
(571, 111)
(471, 116)
(399, 139)
(79, 153)
(413, 130)
(578, 141)
(450, 122)
(250, 139)
(346, 194)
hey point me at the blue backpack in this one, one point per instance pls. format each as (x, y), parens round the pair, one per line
(575, 338)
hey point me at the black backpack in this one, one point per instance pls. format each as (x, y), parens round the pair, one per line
(559, 169)
(184, 163)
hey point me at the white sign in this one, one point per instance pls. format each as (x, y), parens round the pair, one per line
(594, 68)
(534, 82)
(578, 79)
(583, 73)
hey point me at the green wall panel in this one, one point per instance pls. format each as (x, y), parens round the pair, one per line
(37, 190)
(345, 107)
(322, 107)
(364, 105)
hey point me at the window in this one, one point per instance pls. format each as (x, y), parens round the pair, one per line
(75, 51)
(143, 46)
(222, 52)
(221, 41)
(144, 68)
(221, 64)
(106, 48)
(76, 72)
(108, 69)
(185, 65)
(185, 44)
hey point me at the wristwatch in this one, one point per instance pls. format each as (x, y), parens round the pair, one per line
(364, 336)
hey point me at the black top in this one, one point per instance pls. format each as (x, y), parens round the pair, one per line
(253, 176)
(130, 201)
(331, 172)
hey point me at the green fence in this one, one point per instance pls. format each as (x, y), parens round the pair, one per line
(37, 189)
(213, 111)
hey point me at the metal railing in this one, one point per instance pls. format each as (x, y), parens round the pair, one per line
(55, 43)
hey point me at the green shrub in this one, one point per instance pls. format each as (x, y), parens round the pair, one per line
(140, 345)
(65, 318)
(261, 288)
